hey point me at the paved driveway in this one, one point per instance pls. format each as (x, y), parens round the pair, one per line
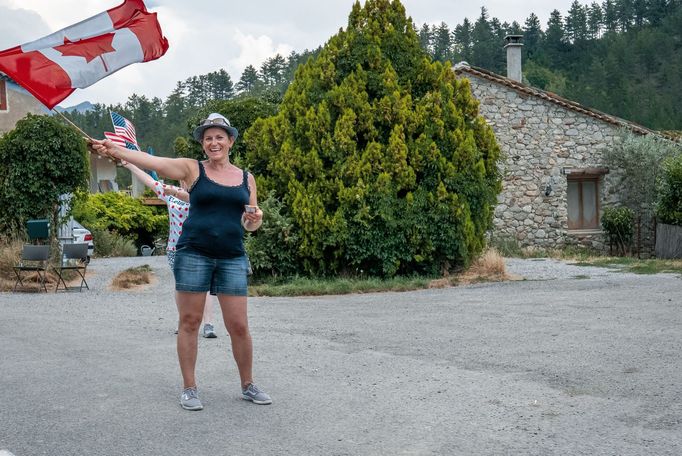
(573, 361)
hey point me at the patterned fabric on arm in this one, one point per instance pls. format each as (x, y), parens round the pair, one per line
(177, 214)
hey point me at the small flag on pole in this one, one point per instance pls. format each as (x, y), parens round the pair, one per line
(124, 128)
(116, 139)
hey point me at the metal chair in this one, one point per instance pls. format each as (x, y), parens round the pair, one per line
(33, 259)
(74, 258)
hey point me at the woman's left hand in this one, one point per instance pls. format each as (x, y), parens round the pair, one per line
(252, 220)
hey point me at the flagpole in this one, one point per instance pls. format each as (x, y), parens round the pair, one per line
(87, 136)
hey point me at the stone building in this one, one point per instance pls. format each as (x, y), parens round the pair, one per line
(555, 181)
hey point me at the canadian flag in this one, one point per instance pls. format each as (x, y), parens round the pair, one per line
(52, 67)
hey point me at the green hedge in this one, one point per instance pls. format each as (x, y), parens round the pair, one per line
(120, 213)
(669, 207)
(618, 224)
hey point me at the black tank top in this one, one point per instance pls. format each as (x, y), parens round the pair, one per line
(213, 226)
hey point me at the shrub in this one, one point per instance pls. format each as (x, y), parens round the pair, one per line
(111, 244)
(272, 249)
(669, 207)
(10, 253)
(640, 160)
(617, 222)
(122, 214)
(379, 155)
(40, 160)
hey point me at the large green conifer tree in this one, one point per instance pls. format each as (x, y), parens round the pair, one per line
(379, 154)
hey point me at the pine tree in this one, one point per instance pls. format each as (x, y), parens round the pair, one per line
(594, 21)
(249, 80)
(555, 46)
(639, 12)
(441, 43)
(483, 49)
(378, 154)
(610, 14)
(625, 12)
(532, 36)
(576, 23)
(426, 39)
(657, 10)
(462, 40)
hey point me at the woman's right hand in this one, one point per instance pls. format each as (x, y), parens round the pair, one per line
(103, 148)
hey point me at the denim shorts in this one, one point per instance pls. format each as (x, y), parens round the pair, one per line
(198, 273)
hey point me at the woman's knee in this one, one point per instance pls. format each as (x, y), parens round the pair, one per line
(238, 329)
(190, 322)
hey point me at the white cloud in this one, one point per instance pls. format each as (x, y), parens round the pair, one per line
(255, 50)
(15, 23)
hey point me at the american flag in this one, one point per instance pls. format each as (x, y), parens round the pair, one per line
(116, 139)
(124, 128)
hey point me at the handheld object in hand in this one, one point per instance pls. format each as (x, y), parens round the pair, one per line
(250, 209)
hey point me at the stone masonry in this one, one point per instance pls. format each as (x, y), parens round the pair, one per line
(541, 142)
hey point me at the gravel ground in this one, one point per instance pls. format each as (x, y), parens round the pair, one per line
(571, 361)
(551, 269)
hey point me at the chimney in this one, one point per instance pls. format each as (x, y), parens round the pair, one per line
(513, 46)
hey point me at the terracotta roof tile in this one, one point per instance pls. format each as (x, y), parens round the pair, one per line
(464, 67)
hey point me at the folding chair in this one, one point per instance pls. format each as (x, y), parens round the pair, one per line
(33, 259)
(74, 258)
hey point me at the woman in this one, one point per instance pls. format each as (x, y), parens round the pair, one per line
(210, 253)
(176, 199)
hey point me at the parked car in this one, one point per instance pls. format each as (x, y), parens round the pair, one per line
(83, 235)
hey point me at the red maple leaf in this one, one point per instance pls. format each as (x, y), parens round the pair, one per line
(89, 48)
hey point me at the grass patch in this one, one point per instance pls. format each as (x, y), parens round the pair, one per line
(301, 286)
(510, 248)
(634, 265)
(131, 277)
(488, 268)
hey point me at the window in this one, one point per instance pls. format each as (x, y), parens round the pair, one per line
(3, 95)
(583, 203)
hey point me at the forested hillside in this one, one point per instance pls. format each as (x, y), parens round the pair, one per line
(623, 57)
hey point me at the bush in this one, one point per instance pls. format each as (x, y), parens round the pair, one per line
(640, 161)
(379, 155)
(272, 249)
(617, 222)
(110, 244)
(40, 160)
(122, 214)
(10, 253)
(669, 207)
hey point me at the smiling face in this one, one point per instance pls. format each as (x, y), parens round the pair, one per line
(216, 143)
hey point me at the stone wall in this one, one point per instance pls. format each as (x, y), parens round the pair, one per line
(540, 140)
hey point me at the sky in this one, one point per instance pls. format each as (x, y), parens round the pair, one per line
(229, 35)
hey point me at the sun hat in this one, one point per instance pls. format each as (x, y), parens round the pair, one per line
(214, 120)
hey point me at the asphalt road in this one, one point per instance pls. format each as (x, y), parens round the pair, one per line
(572, 361)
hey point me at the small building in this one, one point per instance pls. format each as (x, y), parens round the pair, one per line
(555, 181)
(15, 103)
